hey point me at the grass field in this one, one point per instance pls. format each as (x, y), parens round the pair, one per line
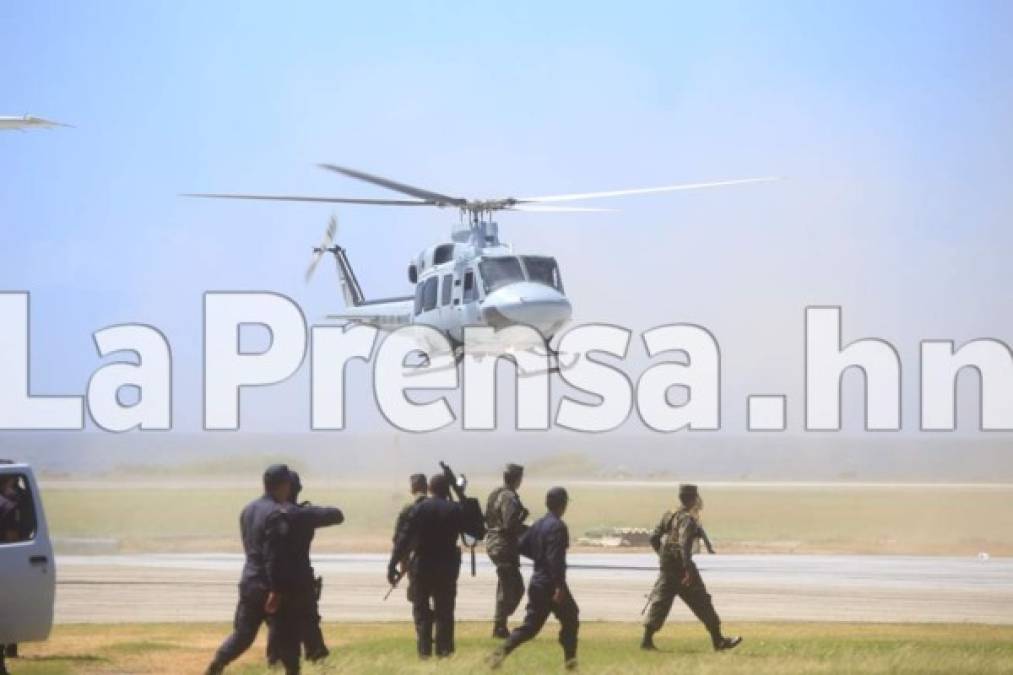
(905, 520)
(604, 648)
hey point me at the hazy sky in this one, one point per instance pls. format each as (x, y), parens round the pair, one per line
(893, 124)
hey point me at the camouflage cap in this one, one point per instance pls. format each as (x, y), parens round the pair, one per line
(513, 470)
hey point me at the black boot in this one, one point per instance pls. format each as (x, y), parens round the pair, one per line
(500, 630)
(647, 644)
(722, 644)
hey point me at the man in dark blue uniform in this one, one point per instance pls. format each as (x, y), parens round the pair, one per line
(290, 532)
(256, 588)
(432, 528)
(545, 543)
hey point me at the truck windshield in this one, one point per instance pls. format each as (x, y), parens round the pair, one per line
(497, 272)
(543, 270)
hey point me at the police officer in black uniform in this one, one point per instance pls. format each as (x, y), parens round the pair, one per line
(417, 481)
(432, 528)
(256, 588)
(545, 543)
(291, 529)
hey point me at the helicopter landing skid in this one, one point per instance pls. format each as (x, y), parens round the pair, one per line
(556, 362)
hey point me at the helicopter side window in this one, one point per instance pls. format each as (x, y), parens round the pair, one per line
(498, 272)
(544, 270)
(448, 287)
(443, 253)
(430, 288)
(470, 290)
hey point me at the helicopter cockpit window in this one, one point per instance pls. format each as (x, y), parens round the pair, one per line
(497, 272)
(544, 270)
(430, 288)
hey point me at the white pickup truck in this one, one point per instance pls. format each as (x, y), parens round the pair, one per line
(27, 570)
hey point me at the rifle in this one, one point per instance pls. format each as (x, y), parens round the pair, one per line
(390, 590)
(472, 511)
(650, 597)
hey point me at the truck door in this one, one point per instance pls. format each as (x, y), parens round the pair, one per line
(27, 570)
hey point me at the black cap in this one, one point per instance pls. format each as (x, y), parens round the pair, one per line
(418, 482)
(439, 485)
(275, 475)
(556, 497)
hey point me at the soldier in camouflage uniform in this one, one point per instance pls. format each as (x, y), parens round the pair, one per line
(419, 485)
(504, 517)
(673, 540)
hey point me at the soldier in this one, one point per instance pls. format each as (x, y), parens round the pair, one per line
(418, 489)
(673, 540)
(292, 529)
(432, 528)
(504, 517)
(256, 591)
(546, 543)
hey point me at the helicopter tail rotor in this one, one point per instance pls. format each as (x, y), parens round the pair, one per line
(325, 245)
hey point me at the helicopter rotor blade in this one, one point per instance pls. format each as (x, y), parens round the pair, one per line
(431, 197)
(301, 198)
(642, 191)
(539, 208)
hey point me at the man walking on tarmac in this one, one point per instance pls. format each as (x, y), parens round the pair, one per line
(504, 519)
(545, 543)
(673, 541)
(433, 528)
(290, 532)
(255, 586)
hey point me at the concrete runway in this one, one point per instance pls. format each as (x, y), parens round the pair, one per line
(202, 587)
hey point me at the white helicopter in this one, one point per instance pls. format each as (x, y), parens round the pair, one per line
(471, 280)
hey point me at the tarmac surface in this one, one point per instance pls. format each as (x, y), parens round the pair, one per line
(607, 586)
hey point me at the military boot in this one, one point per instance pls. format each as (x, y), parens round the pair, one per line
(647, 644)
(214, 668)
(495, 660)
(722, 644)
(500, 630)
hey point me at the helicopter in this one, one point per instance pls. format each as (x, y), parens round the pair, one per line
(472, 279)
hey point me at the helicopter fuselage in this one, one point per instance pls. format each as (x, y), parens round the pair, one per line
(459, 285)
